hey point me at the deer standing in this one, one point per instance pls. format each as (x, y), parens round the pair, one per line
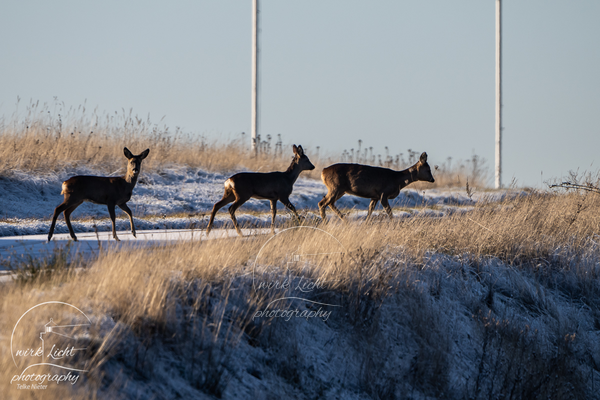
(271, 186)
(110, 191)
(375, 183)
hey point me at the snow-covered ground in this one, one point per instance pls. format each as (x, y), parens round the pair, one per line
(180, 198)
(171, 205)
(89, 244)
(448, 328)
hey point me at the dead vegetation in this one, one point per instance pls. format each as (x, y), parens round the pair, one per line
(499, 301)
(55, 138)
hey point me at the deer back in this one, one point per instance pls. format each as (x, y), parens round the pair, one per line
(97, 189)
(361, 180)
(265, 185)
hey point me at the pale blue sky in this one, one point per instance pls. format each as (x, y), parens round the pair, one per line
(402, 74)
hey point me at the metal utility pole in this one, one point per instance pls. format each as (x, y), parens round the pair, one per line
(498, 94)
(254, 127)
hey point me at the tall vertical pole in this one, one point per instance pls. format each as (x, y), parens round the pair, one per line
(254, 127)
(498, 94)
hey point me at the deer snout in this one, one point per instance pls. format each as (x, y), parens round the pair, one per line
(432, 180)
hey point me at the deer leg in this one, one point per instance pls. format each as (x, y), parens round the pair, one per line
(273, 214)
(335, 198)
(227, 198)
(371, 207)
(323, 205)
(125, 208)
(286, 202)
(68, 212)
(61, 207)
(329, 200)
(111, 212)
(236, 204)
(337, 211)
(386, 206)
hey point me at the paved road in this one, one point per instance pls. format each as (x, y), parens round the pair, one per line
(36, 246)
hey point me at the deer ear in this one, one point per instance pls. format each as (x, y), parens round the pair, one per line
(300, 150)
(423, 158)
(127, 153)
(145, 154)
(295, 149)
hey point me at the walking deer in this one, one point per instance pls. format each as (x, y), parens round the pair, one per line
(271, 186)
(375, 183)
(110, 191)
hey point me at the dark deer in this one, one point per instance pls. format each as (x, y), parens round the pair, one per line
(110, 191)
(375, 183)
(271, 186)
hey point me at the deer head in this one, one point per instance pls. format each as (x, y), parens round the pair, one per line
(301, 159)
(135, 162)
(423, 169)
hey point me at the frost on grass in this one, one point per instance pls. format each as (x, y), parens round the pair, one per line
(401, 325)
(179, 198)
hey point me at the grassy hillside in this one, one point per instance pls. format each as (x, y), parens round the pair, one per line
(498, 302)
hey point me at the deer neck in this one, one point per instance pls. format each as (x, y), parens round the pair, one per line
(130, 179)
(408, 176)
(293, 172)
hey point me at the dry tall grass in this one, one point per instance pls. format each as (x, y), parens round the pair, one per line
(436, 307)
(54, 138)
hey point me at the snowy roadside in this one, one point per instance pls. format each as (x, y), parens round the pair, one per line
(179, 198)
